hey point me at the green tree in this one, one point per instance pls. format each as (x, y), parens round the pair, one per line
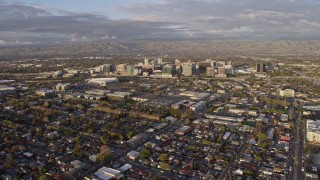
(103, 140)
(163, 157)
(258, 158)
(77, 151)
(206, 142)
(104, 157)
(129, 134)
(145, 153)
(43, 177)
(262, 136)
(165, 166)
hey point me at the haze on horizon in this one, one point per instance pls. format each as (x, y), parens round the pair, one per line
(32, 22)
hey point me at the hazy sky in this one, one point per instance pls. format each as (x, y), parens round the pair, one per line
(58, 21)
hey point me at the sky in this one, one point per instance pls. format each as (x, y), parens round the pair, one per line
(28, 22)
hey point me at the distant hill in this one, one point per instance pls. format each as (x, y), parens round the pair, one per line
(174, 48)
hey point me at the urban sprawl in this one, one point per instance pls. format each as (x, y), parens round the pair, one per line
(211, 119)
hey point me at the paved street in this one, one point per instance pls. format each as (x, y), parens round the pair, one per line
(227, 170)
(295, 163)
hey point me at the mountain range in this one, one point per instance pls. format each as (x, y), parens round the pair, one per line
(166, 47)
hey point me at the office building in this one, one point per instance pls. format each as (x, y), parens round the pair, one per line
(177, 62)
(221, 72)
(202, 66)
(228, 69)
(218, 64)
(211, 72)
(130, 70)
(121, 68)
(261, 68)
(169, 69)
(158, 61)
(146, 62)
(188, 69)
(105, 68)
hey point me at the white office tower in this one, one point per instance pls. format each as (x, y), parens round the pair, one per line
(159, 61)
(146, 62)
(188, 69)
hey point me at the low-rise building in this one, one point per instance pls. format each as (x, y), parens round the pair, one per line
(313, 131)
(285, 92)
(183, 130)
(102, 81)
(198, 106)
(133, 155)
(6, 89)
(108, 173)
(45, 92)
(62, 87)
(119, 95)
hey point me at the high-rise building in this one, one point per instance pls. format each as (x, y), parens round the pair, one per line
(168, 69)
(121, 68)
(177, 62)
(228, 69)
(220, 64)
(159, 61)
(261, 68)
(146, 62)
(221, 72)
(130, 70)
(211, 72)
(188, 69)
(105, 68)
(202, 66)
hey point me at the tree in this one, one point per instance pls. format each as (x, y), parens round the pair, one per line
(258, 158)
(46, 104)
(262, 136)
(206, 142)
(145, 153)
(104, 157)
(187, 121)
(105, 149)
(163, 157)
(120, 136)
(9, 163)
(129, 134)
(77, 151)
(103, 140)
(165, 166)
(72, 120)
(43, 177)
(42, 171)
(90, 128)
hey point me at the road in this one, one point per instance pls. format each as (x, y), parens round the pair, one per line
(295, 162)
(235, 158)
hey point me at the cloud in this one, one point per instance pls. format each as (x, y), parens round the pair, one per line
(162, 19)
(13, 43)
(252, 14)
